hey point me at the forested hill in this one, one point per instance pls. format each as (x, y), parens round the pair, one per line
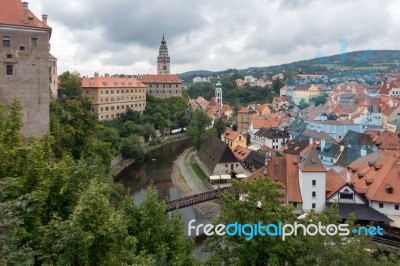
(358, 60)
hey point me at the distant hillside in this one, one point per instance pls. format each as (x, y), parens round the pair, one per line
(196, 73)
(359, 60)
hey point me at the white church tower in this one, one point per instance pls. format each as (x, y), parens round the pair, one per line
(218, 93)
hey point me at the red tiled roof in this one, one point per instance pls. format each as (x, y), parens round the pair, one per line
(213, 102)
(262, 108)
(293, 186)
(377, 175)
(334, 182)
(12, 13)
(240, 152)
(385, 140)
(152, 78)
(272, 121)
(230, 134)
(111, 82)
(211, 111)
(284, 170)
(226, 108)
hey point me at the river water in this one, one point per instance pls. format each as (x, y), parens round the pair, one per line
(156, 168)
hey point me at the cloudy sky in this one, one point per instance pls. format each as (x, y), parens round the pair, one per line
(123, 36)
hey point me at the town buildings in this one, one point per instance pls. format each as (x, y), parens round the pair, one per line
(216, 158)
(112, 96)
(25, 64)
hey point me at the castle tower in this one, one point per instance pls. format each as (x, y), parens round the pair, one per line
(218, 93)
(163, 59)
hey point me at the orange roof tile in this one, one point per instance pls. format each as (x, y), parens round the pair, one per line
(377, 176)
(334, 182)
(230, 134)
(12, 13)
(152, 78)
(241, 152)
(271, 121)
(111, 82)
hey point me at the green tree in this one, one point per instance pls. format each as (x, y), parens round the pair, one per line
(131, 147)
(272, 250)
(303, 104)
(197, 128)
(71, 83)
(320, 100)
(277, 84)
(219, 125)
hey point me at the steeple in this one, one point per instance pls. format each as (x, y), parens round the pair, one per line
(218, 93)
(163, 59)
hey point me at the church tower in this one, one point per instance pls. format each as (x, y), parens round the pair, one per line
(163, 59)
(218, 93)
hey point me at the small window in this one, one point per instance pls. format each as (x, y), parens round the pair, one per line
(9, 70)
(6, 41)
(9, 56)
(313, 205)
(380, 205)
(314, 194)
(396, 207)
(34, 42)
(22, 48)
(314, 183)
(295, 205)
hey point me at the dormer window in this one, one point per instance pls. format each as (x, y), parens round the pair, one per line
(389, 189)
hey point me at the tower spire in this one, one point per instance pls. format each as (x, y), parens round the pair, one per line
(218, 93)
(163, 59)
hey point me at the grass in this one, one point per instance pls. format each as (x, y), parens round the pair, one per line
(196, 168)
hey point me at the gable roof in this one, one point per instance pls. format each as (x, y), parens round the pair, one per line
(215, 151)
(284, 170)
(256, 159)
(12, 13)
(356, 139)
(377, 175)
(231, 134)
(385, 140)
(155, 78)
(241, 152)
(309, 161)
(334, 182)
(111, 82)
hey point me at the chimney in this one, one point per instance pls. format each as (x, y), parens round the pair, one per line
(25, 17)
(96, 74)
(106, 75)
(323, 144)
(349, 115)
(348, 176)
(341, 148)
(266, 163)
(44, 18)
(311, 141)
(363, 152)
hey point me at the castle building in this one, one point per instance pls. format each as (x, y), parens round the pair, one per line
(24, 68)
(53, 76)
(162, 84)
(112, 96)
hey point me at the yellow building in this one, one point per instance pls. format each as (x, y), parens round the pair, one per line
(112, 96)
(307, 92)
(234, 138)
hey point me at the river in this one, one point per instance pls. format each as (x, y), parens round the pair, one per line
(156, 167)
